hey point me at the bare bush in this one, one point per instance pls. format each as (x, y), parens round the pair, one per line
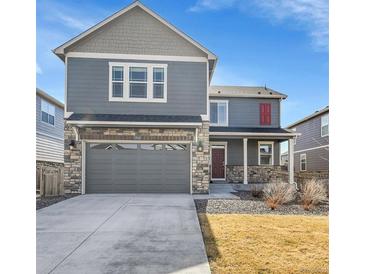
(256, 191)
(313, 193)
(276, 194)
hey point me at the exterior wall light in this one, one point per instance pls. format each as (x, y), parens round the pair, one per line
(200, 146)
(72, 144)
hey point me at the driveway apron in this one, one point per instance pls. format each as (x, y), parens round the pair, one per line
(121, 233)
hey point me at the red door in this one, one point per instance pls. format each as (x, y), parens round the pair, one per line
(218, 163)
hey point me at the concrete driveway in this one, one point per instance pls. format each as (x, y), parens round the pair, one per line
(121, 233)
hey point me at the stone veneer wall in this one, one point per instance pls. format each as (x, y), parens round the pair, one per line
(271, 174)
(257, 174)
(200, 160)
(302, 176)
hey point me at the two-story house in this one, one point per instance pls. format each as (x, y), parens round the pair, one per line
(49, 130)
(311, 147)
(49, 140)
(141, 116)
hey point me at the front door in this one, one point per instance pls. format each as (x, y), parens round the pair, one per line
(218, 163)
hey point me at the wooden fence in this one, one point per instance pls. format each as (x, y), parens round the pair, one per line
(49, 181)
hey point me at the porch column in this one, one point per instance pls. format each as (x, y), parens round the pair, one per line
(291, 160)
(245, 161)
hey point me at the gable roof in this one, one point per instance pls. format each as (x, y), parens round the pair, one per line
(313, 115)
(50, 98)
(60, 51)
(243, 91)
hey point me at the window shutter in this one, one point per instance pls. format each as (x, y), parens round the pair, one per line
(262, 114)
(268, 114)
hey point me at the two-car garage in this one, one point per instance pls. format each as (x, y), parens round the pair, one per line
(137, 168)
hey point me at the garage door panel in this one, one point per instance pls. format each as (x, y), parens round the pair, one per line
(144, 168)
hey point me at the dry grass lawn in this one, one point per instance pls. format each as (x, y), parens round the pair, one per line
(239, 243)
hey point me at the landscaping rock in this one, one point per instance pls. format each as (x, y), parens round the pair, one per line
(250, 205)
(47, 201)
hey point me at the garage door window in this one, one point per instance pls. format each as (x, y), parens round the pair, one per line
(151, 146)
(114, 147)
(171, 147)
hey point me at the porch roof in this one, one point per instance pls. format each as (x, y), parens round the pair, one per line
(80, 119)
(251, 131)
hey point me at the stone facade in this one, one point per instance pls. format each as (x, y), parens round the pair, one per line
(200, 159)
(302, 176)
(256, 174)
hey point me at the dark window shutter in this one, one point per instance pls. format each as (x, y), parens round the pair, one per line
(265, 114)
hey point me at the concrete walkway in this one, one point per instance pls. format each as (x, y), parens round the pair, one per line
(137, 233)
(219, 191)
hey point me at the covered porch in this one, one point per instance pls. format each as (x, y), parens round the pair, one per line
(250, 155)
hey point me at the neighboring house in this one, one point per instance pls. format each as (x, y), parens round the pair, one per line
(141, 116)
(311, 148)
(49, 132)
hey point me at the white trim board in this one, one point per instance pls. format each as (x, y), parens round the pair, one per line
(100, 55)
(60, 49)
(218, 145)
(313, 148)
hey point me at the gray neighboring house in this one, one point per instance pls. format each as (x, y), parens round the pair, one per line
(141, 116)
(49, 130)
(311, 148)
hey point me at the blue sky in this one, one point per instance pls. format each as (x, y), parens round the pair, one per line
(280, 43)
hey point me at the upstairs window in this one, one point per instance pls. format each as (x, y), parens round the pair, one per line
(47, 112)
(117, 81)
(265, 114)
(158, 82)
(219, 113)
(324, 125)
(137, 82)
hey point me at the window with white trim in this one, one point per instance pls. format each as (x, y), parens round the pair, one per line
(324, 125)
(117, 81)
(47, 112)
(303, 162)
(218, 113)
(137, 82)
(266, 153)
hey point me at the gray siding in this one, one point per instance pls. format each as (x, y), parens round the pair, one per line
(49, 139)
(310, 134)
(245, 112)
(317, 159)
(136, 32)
(310, 137)
(88, 89)
(235, 151)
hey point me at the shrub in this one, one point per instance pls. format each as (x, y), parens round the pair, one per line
(256, 191)
(276, 194)
(313, 193)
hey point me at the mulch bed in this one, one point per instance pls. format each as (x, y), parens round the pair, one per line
(252, 205)
(47, 201)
